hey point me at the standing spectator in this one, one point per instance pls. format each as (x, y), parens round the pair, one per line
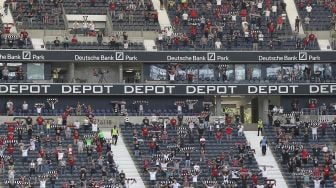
(314, 132)
(297, 24)
(32, 168)
(10, 108)
(187, 160)
(5, 73)
(219, 136)
(274, 10)
(218, 44)
(66, 42)
(39, 122)
(100, 38)
(57, 42)
(152, 176)
(228, 132)
(260, 126)
(263, 145)
(115, 134)
(309, 9)
(280, 22)
(240, 129)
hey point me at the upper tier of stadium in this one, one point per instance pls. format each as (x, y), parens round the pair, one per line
(168, 25)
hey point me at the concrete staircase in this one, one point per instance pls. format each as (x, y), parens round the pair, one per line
(124, 160)
(269, 160)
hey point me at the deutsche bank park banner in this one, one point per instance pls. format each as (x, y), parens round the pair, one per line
(169, 89)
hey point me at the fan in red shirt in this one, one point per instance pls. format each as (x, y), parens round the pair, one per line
(254, 179)
(39, 120)
(42, 152)
(173, 122)
(145, 132)
(304, 155)
(228, 132)
(244, 173)
(316, 172)
(214, 172)
(71, 163)
(306, 41)
(76, 136)
(243, 13)
(326, 172)
(146, 165)
(193, 13)
(152, 146)
(10, 127)
(24, 34)
(219, 136)
(10, 136)
(10, 149)
(99, 148)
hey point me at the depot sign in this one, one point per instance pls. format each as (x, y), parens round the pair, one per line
(162, 90)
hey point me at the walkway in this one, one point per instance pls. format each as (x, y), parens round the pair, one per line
(124, 160)
(163, 16)
(268, 160)
(292, 13)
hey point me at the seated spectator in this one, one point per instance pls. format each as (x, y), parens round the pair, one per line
(92, 29)
(126, 45)
(66, 42)
(218, 44)
(100, 38)
(19, 73)
(74, 40)
(24, 34)
(5, 73)
(75, 27)
(21, 42)
(57, 42)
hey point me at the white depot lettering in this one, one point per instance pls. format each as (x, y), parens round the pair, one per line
(24, 89)
(210, 89)
(322, 89)
(84, 89)
(272, 89)
(66, 89)
(150, 89)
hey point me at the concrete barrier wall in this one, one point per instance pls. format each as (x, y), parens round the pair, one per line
(104, 121)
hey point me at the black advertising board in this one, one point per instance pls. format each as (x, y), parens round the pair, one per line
(169, 89)
(166, 56)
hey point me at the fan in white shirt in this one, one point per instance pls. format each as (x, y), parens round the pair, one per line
(274, 8)
(171, 77)
(152, 175)
(185, 16)
(219, 2)
(43, 183)
(94, 127)
(309, 8)
(218, 44)
(77, 124)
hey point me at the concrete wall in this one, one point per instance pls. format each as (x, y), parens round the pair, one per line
(104, 121)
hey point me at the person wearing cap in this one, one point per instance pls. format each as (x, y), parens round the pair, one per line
(263, 145)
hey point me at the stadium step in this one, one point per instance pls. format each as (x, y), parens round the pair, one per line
(124, 160)
(268, 160)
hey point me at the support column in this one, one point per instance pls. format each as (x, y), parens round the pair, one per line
(71, 72)
(263, 108)
(121, 73)
(218, 101)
